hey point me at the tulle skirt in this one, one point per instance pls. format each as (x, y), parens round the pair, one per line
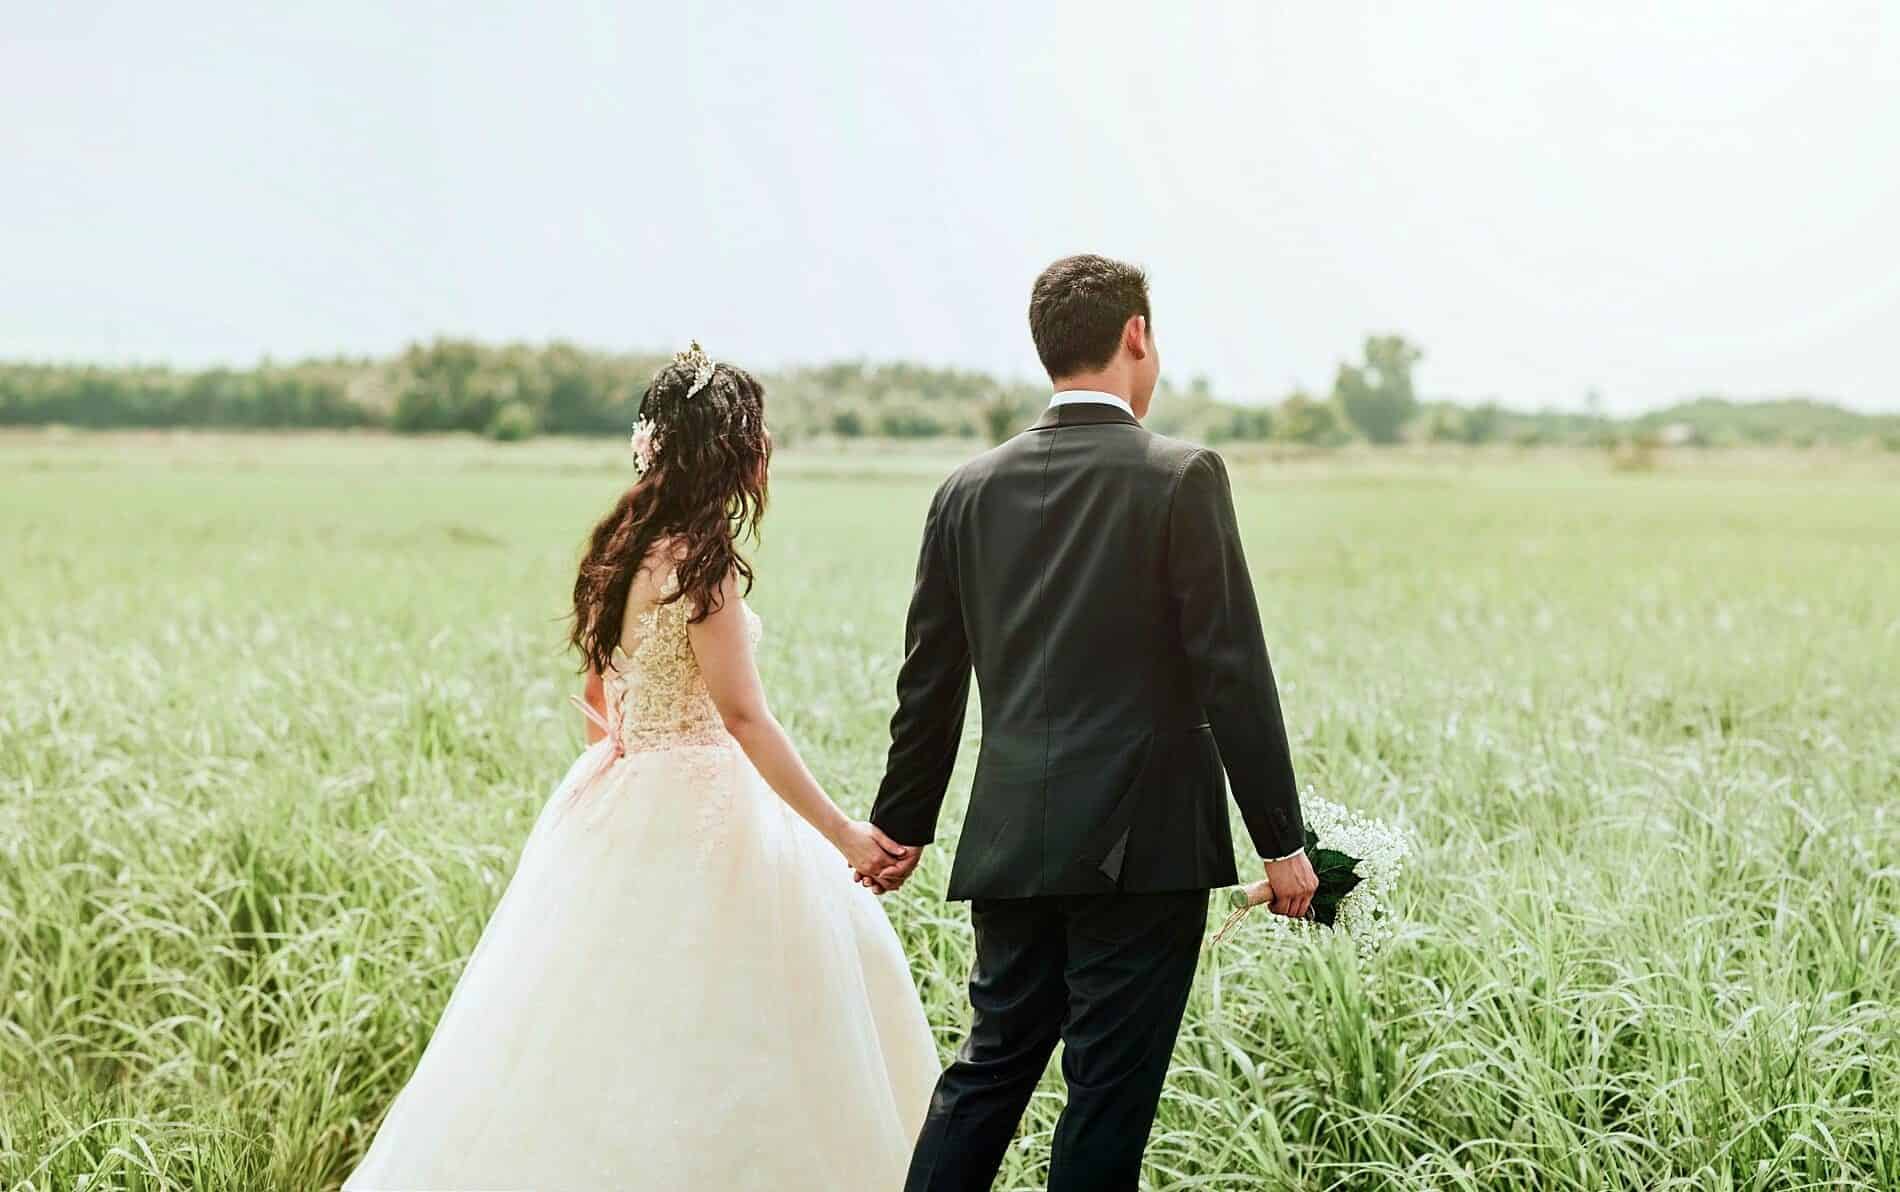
(682, 988)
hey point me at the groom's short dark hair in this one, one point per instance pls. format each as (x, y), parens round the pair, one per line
(1078, 308)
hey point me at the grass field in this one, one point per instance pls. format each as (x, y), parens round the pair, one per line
(275, 715)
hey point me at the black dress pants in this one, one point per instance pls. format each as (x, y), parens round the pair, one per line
(1106, 974)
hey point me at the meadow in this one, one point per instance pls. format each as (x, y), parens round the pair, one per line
(276, 714)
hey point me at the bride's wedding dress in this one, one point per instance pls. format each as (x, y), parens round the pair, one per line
(681, 989)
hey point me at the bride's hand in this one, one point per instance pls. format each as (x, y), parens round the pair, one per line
(869, 851)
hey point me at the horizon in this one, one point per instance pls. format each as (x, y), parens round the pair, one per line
(1654, 206)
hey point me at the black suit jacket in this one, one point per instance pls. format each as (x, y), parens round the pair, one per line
(1091, 573)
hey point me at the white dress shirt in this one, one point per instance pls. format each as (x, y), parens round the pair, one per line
(1074, 397)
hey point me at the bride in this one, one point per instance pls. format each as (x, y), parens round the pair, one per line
(683, 987)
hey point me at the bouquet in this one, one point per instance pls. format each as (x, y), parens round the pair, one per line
(1357, 860)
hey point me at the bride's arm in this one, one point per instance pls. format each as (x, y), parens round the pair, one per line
(596, 697)
(723, 645)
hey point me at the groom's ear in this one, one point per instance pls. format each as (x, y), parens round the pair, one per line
(1135, 336)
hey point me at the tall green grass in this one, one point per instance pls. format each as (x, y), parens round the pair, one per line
(276, 714)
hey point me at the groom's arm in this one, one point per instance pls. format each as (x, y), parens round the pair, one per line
(1233, 679)
(933, 690)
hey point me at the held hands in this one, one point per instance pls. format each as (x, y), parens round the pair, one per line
(878, 862)
(894, 875)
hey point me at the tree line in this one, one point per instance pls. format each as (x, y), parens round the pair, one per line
(515, 391)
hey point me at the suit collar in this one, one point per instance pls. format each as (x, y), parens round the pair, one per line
(1089, 413)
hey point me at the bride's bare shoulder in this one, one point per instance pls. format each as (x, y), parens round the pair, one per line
(653, 579)
(662, 559)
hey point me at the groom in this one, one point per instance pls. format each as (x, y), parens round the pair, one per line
(1090, 572)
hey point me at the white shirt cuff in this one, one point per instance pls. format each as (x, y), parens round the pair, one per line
(1276, 860)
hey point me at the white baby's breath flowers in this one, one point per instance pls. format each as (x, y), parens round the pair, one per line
(1365, 913)
(1379, 851)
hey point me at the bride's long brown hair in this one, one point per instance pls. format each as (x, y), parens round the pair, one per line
(703, 492)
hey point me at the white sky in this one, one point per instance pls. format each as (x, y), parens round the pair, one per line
(1653, 199)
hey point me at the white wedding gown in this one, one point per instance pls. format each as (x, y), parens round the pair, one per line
(681, 989)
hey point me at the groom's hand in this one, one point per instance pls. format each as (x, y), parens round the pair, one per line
(892, 876)
(1292, 884)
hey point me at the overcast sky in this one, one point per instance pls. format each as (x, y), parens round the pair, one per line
(1652, 199)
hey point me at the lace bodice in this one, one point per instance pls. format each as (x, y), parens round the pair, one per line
(656, 695)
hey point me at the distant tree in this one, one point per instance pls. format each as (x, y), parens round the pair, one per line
(1249, 424)
(1003, 416)
(847, 424)
(1600, 431)
(910, 420)
(578, 393)
(512, 423)
(1445, 424)
(451, 385)
(1481, 423)
(1377, 396)
(1301, 419)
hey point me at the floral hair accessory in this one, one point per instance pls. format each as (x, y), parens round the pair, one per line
(646, 436)
(696, 359)
(642, 443)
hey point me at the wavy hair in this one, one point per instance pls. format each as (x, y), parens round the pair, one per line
(703, 491)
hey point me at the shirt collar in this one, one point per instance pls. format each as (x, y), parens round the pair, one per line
(1070, 397)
